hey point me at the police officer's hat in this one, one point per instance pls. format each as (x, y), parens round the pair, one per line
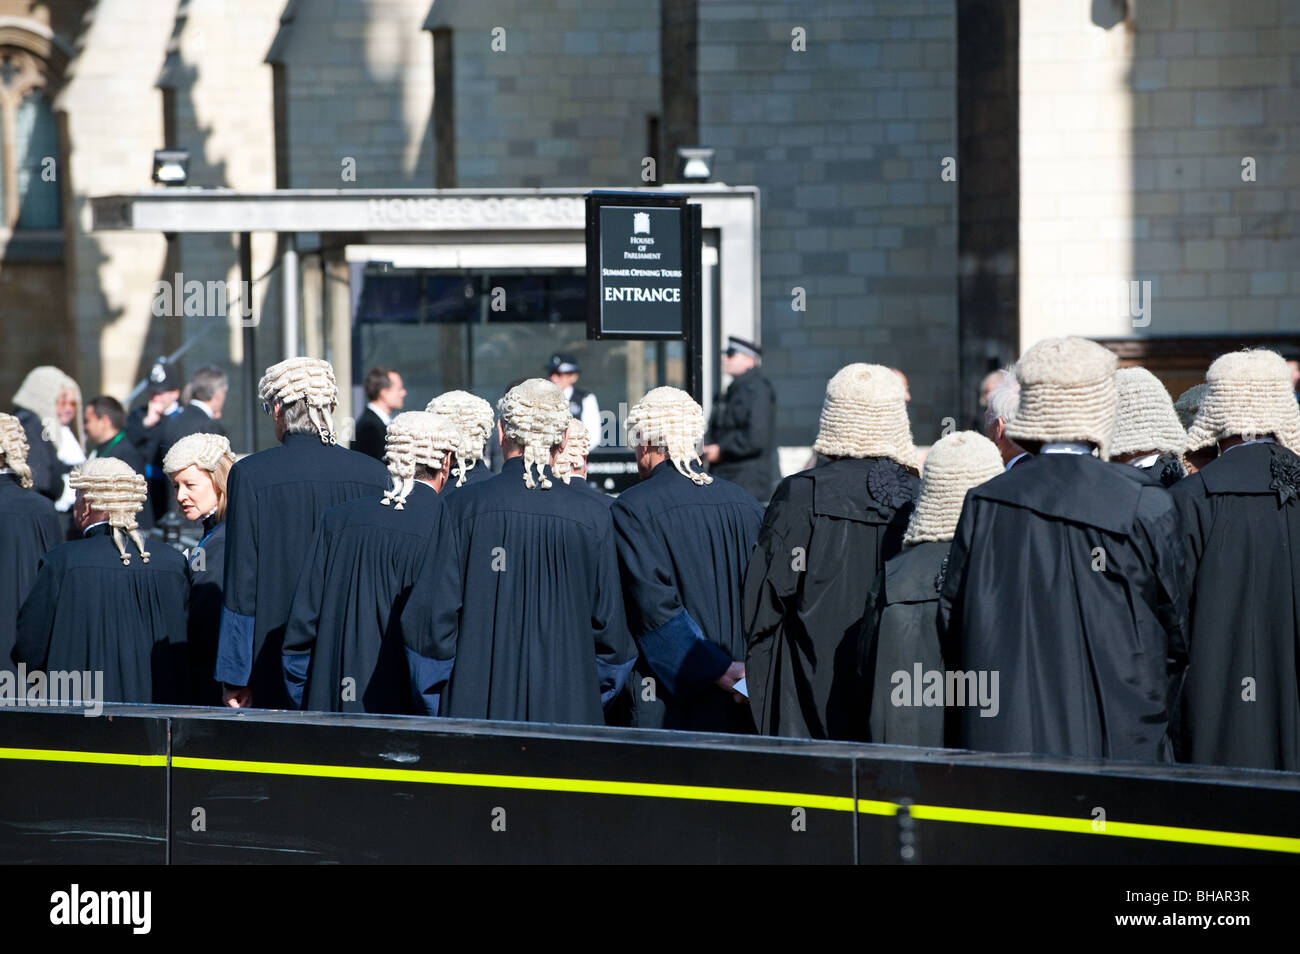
(741, 346)
(163, 377)
(562, 363)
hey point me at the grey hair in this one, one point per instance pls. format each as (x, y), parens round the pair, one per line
(1004, 402)
(297, 418)
(206, 382)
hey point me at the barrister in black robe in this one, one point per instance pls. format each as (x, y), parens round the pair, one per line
(825, 536)
(826, 533)
(29, 528)
(343, 649)
(684, 542)
(1068, 579)
(199, 467)
(88, 611)
(901, 634)
(522, 605)
(1241, 515)
(276, 500)
(1241, 699)
(900, 631)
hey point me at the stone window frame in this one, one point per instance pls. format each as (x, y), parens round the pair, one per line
(41, 60)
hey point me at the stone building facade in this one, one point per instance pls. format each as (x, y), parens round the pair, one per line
(943, 181)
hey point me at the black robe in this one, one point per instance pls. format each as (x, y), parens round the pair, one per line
(89, 612)
(343, 621)
(29, 528)
(1241, 515)
(520, 595)
(477, 474)
(208, 568)
(276, 498)
(682, 551)
(900, 633)
(1067, 580)
(42, 457)
(825, 536)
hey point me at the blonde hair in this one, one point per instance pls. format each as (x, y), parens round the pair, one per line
(211, 454)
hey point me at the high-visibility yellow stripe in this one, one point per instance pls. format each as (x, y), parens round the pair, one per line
(964, 816)
(1065, 823)
(95, 758)
(586, 786)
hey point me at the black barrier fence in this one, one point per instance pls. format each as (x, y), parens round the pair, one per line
(194, 786)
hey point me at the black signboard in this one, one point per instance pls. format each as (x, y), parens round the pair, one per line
(643, 270)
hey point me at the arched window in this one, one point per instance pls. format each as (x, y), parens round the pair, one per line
(29, 143)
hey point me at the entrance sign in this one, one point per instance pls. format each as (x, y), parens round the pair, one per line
(644, 270)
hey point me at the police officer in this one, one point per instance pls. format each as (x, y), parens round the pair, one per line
(563, 371)
(742, 430)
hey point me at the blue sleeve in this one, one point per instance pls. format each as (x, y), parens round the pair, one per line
(295, 667)
(239, 589)
(680, 655)
(428, 679)
(612, 677)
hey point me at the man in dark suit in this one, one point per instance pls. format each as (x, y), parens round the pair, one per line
(105, 420)
(201, 415)
(385, 395)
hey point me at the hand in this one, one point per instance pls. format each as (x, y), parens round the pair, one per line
(735, 672)
(236, 697)
(154, 410)
(712, 453)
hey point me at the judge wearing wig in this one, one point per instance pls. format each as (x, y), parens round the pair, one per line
(825, 536)
(277, 499)
(198, 467)
(342, 648)
(103, 603)
(475, 422)
(1241, 524)
(684, 540)
(523, 605)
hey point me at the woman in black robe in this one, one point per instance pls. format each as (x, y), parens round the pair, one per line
(900, 633)
(198, 466)
(825, 536)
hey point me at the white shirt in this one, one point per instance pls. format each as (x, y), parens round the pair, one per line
(379, 410)
(1147, 461)
(204, 408)
(70, 452)
(1066, 447)
(1012, 462)
(97, 523)
(1261, 440)
(590, 415)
